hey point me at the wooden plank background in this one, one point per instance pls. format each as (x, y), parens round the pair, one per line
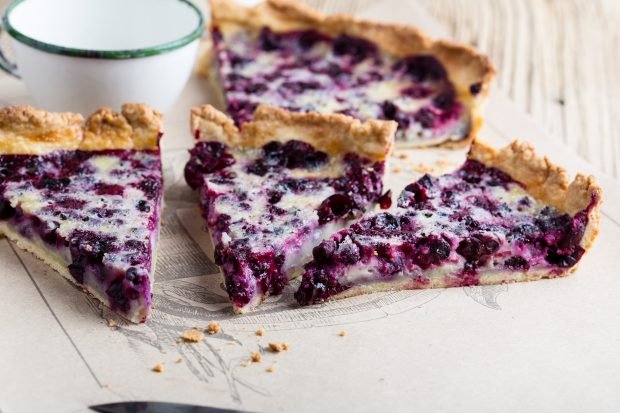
(557, 59)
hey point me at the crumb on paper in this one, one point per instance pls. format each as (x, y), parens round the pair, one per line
(270, 369)
(180, 360)
(111, 323)
(230, 343)
(422, 168)
(396, 169)
(213, 327)
(192, 336)
(403, 155)
(442, 163)
(260, 332)
(342, 333)
(278, 347)
(107, 385)
(158, 368)
(244, 363)
(153, 306)
(256, 357)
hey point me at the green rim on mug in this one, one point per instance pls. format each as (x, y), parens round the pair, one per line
(103, 54)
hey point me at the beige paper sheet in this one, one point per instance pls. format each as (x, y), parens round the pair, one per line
(544, 346)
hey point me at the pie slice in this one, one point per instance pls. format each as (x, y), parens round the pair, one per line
(85, 197)
(504, 216)
(283, 54)
(273, 190)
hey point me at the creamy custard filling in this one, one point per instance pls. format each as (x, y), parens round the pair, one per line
(476, 225)
(95, 214)
(311, 72)
(267, 208)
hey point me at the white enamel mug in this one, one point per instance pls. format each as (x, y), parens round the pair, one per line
(79, 55)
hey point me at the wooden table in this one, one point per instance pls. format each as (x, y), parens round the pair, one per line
(557, 60)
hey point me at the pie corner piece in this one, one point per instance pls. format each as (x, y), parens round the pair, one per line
(505, 216)
(85, 197)
(434, 89)
(272, 189)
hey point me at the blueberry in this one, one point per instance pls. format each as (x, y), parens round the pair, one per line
(205, 158)
(334, 206)
(422, 68)
(256, 88)
(517, 262)
(107, 189)
(132, 275)
(309, 38)
(475, 88)
(389, 110)
(77, 272)
(385, 221)
(117, 295)
(444, 100)
(324, 251)
(151, 187)
(303, 155)
(143, 206)
(359, 49)
(6, 210)
(385, 200)
(268, 40)
(564, 260)
(426, 117)
(348, 253)
(299, 87)
(469, 248)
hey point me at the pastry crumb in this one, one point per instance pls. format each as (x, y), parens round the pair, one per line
(107, 385)
(192, 336)
(213, 328)
(158, 368)
(270, 369)
(422, 168)
(260, 332)
(256, 357)
(278, 347)
(403, 156)
(180, 360)
(244, 363)
(111, 323)
(396, 169)
(342, 333)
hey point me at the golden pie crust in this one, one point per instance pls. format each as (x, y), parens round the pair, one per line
(334, 134)
(27, 130)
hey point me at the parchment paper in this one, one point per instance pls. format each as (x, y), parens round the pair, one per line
(544, 346)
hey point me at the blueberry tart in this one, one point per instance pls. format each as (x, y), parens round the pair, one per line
(504, 216)
(283, 54)
(85, 197)
(273, 189)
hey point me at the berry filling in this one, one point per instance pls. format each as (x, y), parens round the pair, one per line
(268, 207)
(95, 213)
(448, 231)
(312, 72)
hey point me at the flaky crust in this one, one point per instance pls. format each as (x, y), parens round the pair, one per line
(467, 68)
(546, 181)
(30, 131)
(334, 134)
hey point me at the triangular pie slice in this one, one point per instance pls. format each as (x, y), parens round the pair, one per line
(504, 216)
(283, 54)
(85, 197)
(274, 189)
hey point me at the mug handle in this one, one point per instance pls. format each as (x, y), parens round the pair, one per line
(5, 64)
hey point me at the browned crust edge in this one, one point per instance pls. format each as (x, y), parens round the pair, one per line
(466, 66)
(334, 134)
(546, 181)
(30, 131)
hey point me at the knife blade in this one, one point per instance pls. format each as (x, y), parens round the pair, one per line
(157, 407)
